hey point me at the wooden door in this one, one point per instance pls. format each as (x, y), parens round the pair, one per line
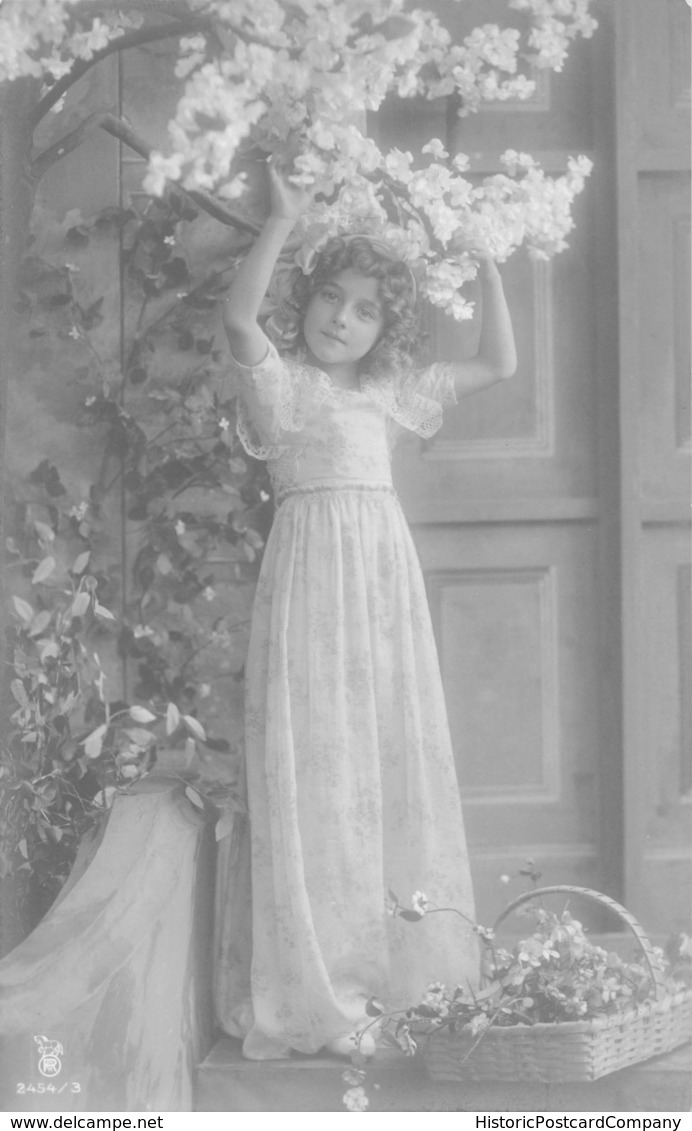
(653, 102)
(507, 510)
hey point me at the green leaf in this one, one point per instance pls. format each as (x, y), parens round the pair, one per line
(43, 570)
(172, 718)
(222, 745)
(254, 538)
(196, 727)
(93, 744)
(224, 826)
(374, 1008)
(80, 604)
(79, 235)
(69, 702)
(40, 622)
(140, 737)
(410, 916)
(142, 715)
(102, 611)
(19, 692)
(104, 797)
(44, 531)
(81, 562)
(24, 609)
(193, 796)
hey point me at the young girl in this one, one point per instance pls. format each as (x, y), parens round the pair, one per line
(351, 782)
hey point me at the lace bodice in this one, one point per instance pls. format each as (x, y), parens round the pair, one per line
(311, 432)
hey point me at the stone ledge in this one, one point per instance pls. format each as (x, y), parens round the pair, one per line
(228, 1082)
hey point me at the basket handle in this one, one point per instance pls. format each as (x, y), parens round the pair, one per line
(623, 914)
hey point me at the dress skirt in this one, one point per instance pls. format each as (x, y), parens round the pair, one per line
(352, 790)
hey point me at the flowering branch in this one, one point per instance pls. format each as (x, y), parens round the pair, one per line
(288, 80)
(119, 128)
(134, 39)
(69, 142)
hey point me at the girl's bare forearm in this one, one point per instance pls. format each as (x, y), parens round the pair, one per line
(253, 276)
(496, 347)
(496, 357)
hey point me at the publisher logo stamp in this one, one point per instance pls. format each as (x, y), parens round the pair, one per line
(50, 1051)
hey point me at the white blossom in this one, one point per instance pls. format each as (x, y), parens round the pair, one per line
(478, 1024)
(298, 82)
(436, 148)
(355, 1099)
(419, 902)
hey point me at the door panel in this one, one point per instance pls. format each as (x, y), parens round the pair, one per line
(667, 768)
(664, 335)
(514, 608)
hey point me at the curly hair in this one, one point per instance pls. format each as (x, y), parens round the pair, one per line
(399, 340)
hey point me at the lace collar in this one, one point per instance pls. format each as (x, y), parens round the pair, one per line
(395, 394)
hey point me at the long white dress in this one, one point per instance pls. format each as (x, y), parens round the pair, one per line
(352, 790)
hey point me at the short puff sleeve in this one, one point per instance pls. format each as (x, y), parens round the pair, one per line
(414, 401)
(267, 405)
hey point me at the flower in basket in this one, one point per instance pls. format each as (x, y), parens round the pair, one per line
(554, 975)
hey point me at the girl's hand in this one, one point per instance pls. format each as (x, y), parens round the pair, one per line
(474, 247)
(487, 267)
(288, 201)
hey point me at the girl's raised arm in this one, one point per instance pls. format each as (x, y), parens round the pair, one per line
(247, 341)
(496, 358)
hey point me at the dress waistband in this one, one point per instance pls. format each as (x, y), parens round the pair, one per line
(334, 489)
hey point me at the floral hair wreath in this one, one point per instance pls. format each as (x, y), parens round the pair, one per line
(435, 218)
(309, 252)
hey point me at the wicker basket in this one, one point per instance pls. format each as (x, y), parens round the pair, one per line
(568, 1050)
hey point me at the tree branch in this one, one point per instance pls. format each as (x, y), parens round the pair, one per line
(131, 39)
(122, 130)
(68, 143)
(117, 127)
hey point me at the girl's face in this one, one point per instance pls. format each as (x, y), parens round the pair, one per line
(343, 321)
